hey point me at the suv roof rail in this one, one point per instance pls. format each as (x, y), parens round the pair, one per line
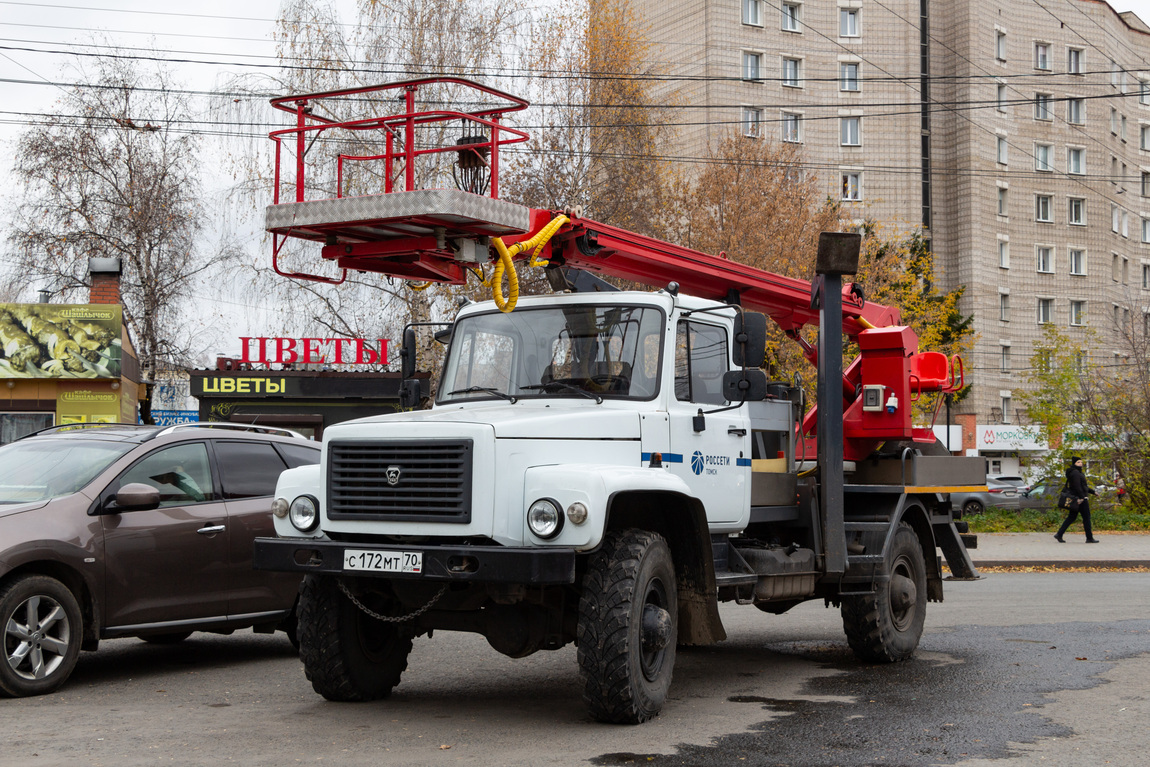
(232, 426)
(71, 427)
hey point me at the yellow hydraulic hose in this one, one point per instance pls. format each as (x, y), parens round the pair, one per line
(505, 266)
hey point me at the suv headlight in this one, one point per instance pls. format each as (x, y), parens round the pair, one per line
(304, 513)
(545, 518)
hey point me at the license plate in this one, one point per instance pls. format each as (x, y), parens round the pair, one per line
(383, 561)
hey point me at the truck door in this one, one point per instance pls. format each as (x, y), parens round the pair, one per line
(715, 462)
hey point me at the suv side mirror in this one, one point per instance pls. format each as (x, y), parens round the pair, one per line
(750, 339)
(135, 496)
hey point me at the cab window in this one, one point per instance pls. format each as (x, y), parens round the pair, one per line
(700, 361)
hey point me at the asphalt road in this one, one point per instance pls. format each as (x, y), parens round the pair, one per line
(1017, 669)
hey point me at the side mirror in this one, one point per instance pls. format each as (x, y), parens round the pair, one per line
(136, 496)
(407, 353)
(410, 393)
(750, 339)
(748, 385)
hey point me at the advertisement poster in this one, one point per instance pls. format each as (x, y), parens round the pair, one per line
(74, 405)
(60, 340)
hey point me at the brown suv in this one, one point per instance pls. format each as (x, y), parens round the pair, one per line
(118, 530)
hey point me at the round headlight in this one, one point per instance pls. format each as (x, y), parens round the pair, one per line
(280, 507)
(577, 513)
(545, 518)
(304, 513)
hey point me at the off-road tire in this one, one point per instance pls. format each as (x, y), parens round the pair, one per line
(878, 630)
(622, 682)
(56, 616)
(347, 655)
(172, 637)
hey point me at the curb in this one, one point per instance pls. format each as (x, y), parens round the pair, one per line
(1065, 564)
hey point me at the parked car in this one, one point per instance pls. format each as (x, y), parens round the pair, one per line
(121, 530)
(1017, 482)
(1043, 495)
(998, 493)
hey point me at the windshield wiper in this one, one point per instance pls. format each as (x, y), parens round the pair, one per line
(489, 390)
(568, 387)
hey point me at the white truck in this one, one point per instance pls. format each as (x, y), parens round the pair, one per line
(605, 467)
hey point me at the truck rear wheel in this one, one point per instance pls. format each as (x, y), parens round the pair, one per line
(347, 655)
(885, 627)
(628, 620)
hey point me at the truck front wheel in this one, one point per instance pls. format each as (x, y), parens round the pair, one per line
(347, 655)
(628, 619)
(885, 627)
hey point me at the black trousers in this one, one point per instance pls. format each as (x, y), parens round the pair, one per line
(1083, 509)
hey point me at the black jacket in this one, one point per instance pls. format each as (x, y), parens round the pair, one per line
(1076, 482)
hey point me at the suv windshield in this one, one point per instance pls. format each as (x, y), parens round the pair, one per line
(42, 469)
(607, 351)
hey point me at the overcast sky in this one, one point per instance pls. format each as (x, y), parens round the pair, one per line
(215, 39)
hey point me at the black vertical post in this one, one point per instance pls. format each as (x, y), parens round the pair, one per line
(838, 255)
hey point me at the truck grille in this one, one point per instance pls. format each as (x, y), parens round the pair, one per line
(427, 481)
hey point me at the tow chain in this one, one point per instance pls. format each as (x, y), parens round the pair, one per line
(389, 618)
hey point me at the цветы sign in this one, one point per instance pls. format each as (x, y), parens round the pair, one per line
(314, 351)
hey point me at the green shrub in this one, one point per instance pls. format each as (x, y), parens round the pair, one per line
(995, 520)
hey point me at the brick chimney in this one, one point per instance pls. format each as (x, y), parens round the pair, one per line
(105, 273)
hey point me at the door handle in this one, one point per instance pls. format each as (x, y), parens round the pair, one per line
(211, 529)
(735, 431)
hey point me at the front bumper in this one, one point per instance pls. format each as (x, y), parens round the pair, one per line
(490, 564)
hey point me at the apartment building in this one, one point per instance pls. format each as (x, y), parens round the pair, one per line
(1015, 134)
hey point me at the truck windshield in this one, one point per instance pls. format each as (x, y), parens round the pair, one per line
(568, 351)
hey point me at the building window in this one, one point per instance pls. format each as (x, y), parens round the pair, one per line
(752, 66)
(1041, 56)
(1078, 262)
(849, 134)
(1075, 160)
(1042, 208)
(1114, 267)
(1076, 215)
(753, 12)
(848, 22)
(752, 122)
(1006, 409)
(1146, 276)
(1000, 98)
(1045, 259)
(1004, 254)
(1076, 111)
(1114, 121)
(1000, 152)
(1004, 359)
(848, 76)
(1042, 106)
(1145, 184)
(1000, 46)
(1042, 159)
(1143, 92)
(791, 72)
(1004, 307)
(1125, 224)
(1122, 127)
(1144, 137)
(1044, 308)
(1074, 61)
(1077, 313)
(791, 17)
(791, 132)
(852, 186)
(1113, 72)
(1002, 201)
(1146, 230)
